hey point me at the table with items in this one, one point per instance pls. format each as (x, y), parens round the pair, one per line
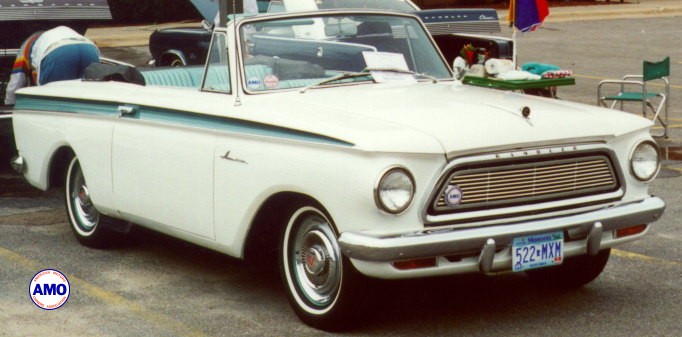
(544, 84)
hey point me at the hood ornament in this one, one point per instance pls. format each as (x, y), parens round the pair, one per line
(524, 112)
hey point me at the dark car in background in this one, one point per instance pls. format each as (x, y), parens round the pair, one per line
(452, 29)
(21, 18)
(180, 46)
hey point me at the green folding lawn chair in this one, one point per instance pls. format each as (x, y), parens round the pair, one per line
(633, 88)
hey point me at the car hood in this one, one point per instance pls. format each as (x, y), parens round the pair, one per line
(207, 8)
(456, 117)
(422, 118)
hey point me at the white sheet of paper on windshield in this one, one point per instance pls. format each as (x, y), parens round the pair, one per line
(384, 60)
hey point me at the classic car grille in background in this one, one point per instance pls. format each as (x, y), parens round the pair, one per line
(453, 21)
(91, 10)
(509, 184)
(466, 27)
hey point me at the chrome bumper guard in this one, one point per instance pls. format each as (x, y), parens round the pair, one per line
(18, 164)
(485, 240)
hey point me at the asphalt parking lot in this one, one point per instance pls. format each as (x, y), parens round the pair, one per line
(154, 285)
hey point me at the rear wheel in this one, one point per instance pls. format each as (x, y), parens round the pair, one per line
(317, 278)
(573, 273)
(87, 224)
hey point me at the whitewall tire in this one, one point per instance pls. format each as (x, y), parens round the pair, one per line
(318, 280)
(85, 220)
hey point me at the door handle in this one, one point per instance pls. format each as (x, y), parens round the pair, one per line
(124, 110)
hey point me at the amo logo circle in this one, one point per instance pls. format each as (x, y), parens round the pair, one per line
(453, 196)
(49, 289)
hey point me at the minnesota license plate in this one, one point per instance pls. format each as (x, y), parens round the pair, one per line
(537, 251)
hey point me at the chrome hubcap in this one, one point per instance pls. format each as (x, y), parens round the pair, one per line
(317, 262)
(84, 211)
(84, 197)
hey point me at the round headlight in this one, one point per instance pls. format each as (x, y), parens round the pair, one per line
(395, 190)
(645, 161)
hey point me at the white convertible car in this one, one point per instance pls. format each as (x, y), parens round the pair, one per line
(341, 140)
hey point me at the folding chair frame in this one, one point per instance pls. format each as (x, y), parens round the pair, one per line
(645, 97)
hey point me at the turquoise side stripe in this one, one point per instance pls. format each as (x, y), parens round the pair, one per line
(176, 117)
(56, 104)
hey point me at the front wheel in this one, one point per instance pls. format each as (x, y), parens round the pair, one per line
(573, 273)
(317, 278)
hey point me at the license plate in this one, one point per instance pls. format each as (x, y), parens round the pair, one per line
(537, 251)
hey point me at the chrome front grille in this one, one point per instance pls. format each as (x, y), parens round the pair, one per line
(493, 185)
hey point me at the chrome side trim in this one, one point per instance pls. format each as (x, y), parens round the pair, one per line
(431, 243)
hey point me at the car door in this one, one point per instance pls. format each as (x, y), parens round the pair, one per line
(163, 157)
(162, 164)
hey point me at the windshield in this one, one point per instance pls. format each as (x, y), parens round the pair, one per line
(302, 51)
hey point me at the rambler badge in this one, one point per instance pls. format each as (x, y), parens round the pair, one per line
(453, 196)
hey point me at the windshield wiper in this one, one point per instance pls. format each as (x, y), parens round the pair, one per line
(403, 71)
(338, 77)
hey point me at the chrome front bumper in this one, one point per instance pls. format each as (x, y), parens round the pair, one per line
(486, 241)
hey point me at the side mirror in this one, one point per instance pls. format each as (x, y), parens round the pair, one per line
(459, 68)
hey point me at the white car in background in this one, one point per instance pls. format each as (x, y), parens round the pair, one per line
(340, 141)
